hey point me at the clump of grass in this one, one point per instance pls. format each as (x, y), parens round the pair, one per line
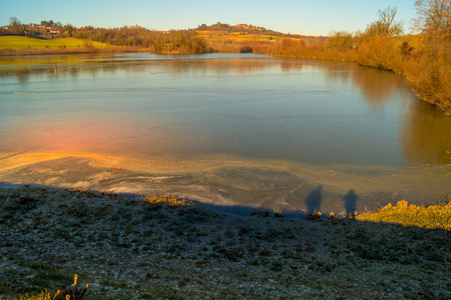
(169, 200)
(314, 216)
(73, 292)
(278, 211)
(430, 217)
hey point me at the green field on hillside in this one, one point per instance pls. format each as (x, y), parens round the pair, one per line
(21, 42)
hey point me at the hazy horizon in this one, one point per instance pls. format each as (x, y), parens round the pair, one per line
(296, 17)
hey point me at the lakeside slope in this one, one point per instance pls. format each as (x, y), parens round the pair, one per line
(152, 248)
(21, 42)
(22, 46)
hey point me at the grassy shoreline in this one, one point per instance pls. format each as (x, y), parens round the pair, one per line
(429, 217)
(165, 247)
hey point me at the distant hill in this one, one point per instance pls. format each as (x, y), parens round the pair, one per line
(247, 28)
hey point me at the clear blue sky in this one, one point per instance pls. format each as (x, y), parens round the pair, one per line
(312, 17)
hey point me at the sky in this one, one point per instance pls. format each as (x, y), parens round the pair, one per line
(312, 17)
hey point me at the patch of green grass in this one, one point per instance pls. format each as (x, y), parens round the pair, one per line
(37, 265)
(48, 278)
(21, 42)
(163, 293)
(431, 217)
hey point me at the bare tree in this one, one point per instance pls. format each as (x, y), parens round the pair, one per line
(341, 40)
(16, 27)
(433, 16)
(387, 21)
(385, 25)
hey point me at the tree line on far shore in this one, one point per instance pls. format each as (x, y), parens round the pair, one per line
(176, 41)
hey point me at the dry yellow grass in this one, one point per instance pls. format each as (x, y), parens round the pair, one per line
(430, 217)
(211, 35)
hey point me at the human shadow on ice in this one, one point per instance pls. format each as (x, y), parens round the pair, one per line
(314, 199)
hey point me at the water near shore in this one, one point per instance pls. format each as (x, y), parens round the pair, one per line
(233, 130)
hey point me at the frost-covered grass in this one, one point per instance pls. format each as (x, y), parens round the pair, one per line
(167, 247)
